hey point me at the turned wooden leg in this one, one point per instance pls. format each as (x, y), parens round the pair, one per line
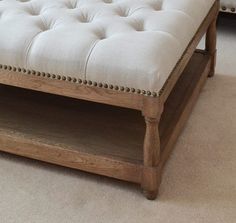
(151, 169)
(211, 45)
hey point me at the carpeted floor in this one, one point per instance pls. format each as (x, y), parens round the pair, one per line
(199, 182)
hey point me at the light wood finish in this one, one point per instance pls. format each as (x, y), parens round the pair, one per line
(114, 142)
(84, 92)
(151, 158)
(65, 131)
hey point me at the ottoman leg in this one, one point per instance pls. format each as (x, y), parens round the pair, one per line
(151, 169)
(211, 45)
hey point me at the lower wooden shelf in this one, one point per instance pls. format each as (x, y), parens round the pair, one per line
(88, 136)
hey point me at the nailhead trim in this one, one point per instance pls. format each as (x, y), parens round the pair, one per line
(224, 8)
(80, 81)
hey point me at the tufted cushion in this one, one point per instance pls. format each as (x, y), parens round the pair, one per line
(133, 43)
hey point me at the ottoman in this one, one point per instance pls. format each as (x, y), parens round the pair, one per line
(77, 76)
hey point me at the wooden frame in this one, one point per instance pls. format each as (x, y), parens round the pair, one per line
(162, 125)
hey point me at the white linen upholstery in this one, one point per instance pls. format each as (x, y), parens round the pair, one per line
(133, 43)
(228, 5)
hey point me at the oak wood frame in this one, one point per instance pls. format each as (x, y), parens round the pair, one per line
(148, 174)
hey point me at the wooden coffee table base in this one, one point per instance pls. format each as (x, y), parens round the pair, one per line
(93, 137)
(96, 136)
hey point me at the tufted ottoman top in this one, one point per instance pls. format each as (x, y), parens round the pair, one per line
(131, 43)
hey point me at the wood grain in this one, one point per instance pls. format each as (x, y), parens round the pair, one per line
(69, 89)
(109, 142)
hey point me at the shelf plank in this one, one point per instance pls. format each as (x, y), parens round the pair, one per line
(72, 124)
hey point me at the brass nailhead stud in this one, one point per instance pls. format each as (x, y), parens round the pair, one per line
(75, 80)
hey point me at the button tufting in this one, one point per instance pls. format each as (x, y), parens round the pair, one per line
(45, 27)
(137, 25)
(108, 1)
(123, 13)
(84, 19)
(157, 6)
(70, 6)
(101, 34)
(23, 0)
(104, 43)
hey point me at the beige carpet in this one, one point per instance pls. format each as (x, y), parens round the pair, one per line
(199, 182)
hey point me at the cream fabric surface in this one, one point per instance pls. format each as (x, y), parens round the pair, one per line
(133, 43)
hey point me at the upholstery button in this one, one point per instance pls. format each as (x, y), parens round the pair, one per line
(138, 25)
(122, 13)
(157, 7)
(101, 34)
(70, 6)
(45, 28)
(84, 18)
(108, 1)
(32, 13)
(23, 0)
